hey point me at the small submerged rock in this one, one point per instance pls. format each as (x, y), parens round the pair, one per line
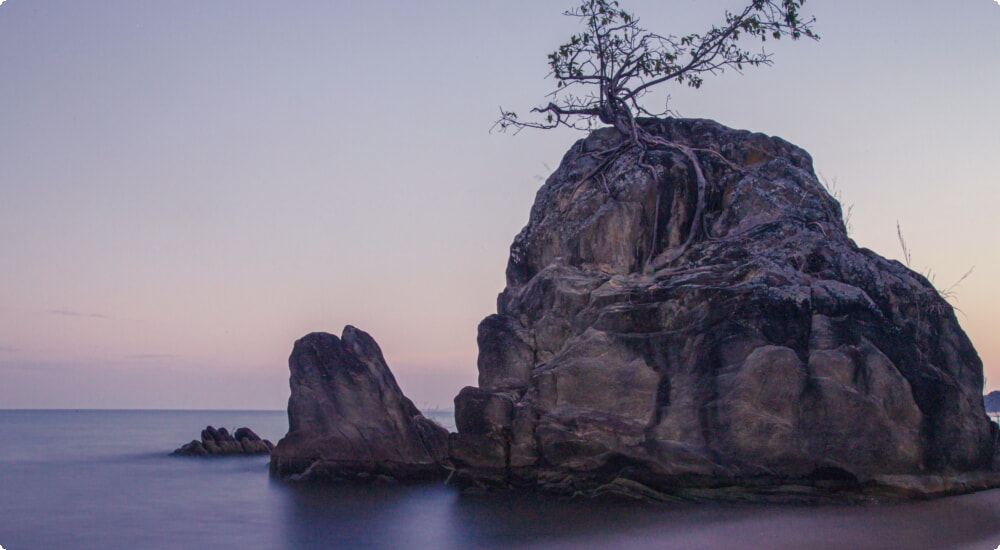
(219, 442)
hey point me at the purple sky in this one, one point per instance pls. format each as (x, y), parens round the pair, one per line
(188, 187)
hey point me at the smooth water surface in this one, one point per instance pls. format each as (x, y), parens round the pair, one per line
(104, 480)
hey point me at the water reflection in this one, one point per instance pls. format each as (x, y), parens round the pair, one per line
(375, 517)
(367, 516)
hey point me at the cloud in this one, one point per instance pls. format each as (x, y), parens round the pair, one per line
(150, 356)
(5, 349)
(33, 366)
(70, 313)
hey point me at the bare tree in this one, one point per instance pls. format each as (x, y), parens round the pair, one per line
(603, 73)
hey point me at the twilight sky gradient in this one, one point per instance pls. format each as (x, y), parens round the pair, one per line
(187, 187)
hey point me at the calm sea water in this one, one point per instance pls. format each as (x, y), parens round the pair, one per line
(103, 480)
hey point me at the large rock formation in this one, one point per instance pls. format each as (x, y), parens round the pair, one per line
(768, 349)
(347, 417)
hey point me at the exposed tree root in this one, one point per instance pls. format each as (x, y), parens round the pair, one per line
(645, 142)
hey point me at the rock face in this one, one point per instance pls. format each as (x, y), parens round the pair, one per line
(770, 349)
(347, 417)
(219, 442)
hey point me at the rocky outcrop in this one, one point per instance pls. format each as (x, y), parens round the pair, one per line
(767, 349)
(219, 442)
(992, 401)
(347, 417)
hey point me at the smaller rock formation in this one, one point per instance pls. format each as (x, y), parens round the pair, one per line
(219, 442)
(348, 419)
(992, 402)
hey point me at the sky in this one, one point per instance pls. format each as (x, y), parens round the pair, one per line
(188, 187)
